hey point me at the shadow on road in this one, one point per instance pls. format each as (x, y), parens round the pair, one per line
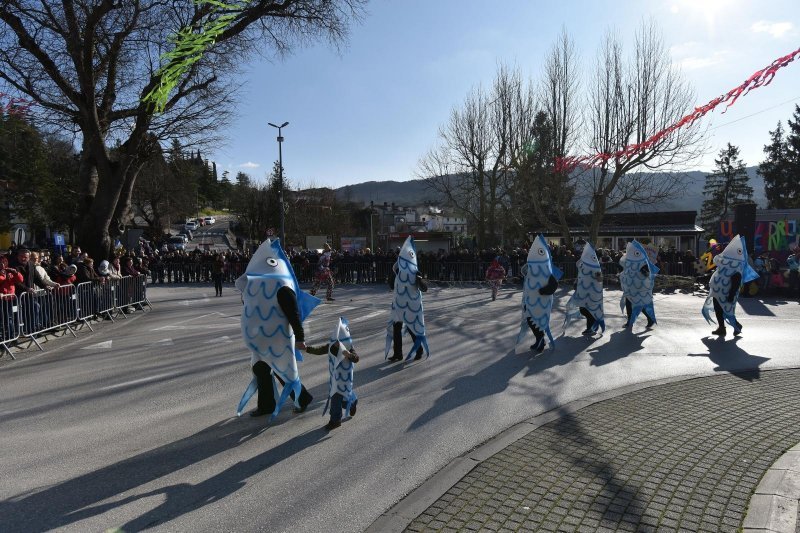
(67, 502)
(729, 357)
(753, 306)
(620, 344)
(492, 379)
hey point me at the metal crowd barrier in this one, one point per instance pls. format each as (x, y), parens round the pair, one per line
(131, 291)
(33, 313)
(45, 310)
(9, 321)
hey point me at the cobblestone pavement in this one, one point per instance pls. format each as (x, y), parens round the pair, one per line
(685, 456)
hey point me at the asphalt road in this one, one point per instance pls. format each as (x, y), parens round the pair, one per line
(134, 426)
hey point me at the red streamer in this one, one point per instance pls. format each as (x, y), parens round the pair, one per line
(14, 105)
(760, 78)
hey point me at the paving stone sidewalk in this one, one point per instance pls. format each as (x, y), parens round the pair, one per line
(684, 456)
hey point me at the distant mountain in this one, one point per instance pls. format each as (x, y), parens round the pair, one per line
(416, 193)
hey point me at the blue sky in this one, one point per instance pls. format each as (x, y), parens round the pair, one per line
(373, 109)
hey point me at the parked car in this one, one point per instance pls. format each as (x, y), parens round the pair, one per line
(191, 226)
(210, 220)
(185, 237)
(176, 242)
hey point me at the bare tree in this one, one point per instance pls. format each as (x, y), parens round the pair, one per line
(87, 64)
(473, 167)
(548, 131)
(630, 101)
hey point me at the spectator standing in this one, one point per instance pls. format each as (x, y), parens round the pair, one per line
(218, 268)
(42, 273)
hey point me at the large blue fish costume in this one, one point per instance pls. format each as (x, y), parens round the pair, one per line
(541, 281)
(407, 300)
(637, 280)
(732, 271)
(266, 330)
(588, 291)
(340, 367)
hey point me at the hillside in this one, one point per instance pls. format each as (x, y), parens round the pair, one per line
(416, 192)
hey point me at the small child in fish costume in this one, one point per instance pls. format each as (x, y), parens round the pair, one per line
(637, 280)
(342, 357)
(587, 300)
(732, 269)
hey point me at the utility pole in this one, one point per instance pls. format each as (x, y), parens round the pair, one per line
(280, 180)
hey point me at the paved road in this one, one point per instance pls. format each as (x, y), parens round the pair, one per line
(141, 433)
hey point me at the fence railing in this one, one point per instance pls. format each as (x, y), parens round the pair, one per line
(59, 309)
(9, 322)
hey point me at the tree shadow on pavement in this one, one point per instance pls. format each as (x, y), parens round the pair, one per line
(491, 379)
(617, 495)
(620, 344)
(729, 357)
(65, 503)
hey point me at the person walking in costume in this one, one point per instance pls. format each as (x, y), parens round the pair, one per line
(272, 328)
(494, 276)
(732, 270)
(407, 311)
(541, 281)
(637, 280)
(324, 275)
(587, 300)
(342, 357)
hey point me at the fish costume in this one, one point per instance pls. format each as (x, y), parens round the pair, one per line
(637, 280)
(587, 300)
(732, 269)
(407, 312)
(341, 370)
(274, 310)
(541, 281)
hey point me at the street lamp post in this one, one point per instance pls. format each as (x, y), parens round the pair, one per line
(280, 179)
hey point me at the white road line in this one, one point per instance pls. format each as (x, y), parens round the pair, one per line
(142, 380)
(368, 316)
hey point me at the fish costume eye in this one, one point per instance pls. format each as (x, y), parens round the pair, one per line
(272, 262)
(411, 254)
(541, 252)
(739, 251)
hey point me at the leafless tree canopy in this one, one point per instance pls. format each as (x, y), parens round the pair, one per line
(88, 63)
(630, 100)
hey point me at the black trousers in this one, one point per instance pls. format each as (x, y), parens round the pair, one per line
(590, 320)
(266, 391)
(397, 341)
(629, 310)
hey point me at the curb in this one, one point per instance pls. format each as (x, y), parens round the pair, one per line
(773, 505)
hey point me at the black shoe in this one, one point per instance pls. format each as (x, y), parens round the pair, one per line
(396, 358)
(719, 331)
(303, 406)
(353, 409)
(258, 412)
(420, 351)
(331, 425)
(650, 323)
(587, 331)
(330, 299)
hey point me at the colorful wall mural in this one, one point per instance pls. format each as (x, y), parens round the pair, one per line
(776, 237)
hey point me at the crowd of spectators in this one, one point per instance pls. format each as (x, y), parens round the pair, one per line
(162, 265)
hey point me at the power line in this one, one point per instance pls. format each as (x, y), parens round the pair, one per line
(756, 113)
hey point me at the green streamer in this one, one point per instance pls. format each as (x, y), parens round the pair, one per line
(189, 48)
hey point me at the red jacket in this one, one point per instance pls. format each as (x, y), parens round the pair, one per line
(8, 280)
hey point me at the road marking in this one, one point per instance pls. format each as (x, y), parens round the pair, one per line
(223, 339)
(197, 326)
(457, 322)
(142, 380)
(368, 316)
(99, 346)
(162, 342)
